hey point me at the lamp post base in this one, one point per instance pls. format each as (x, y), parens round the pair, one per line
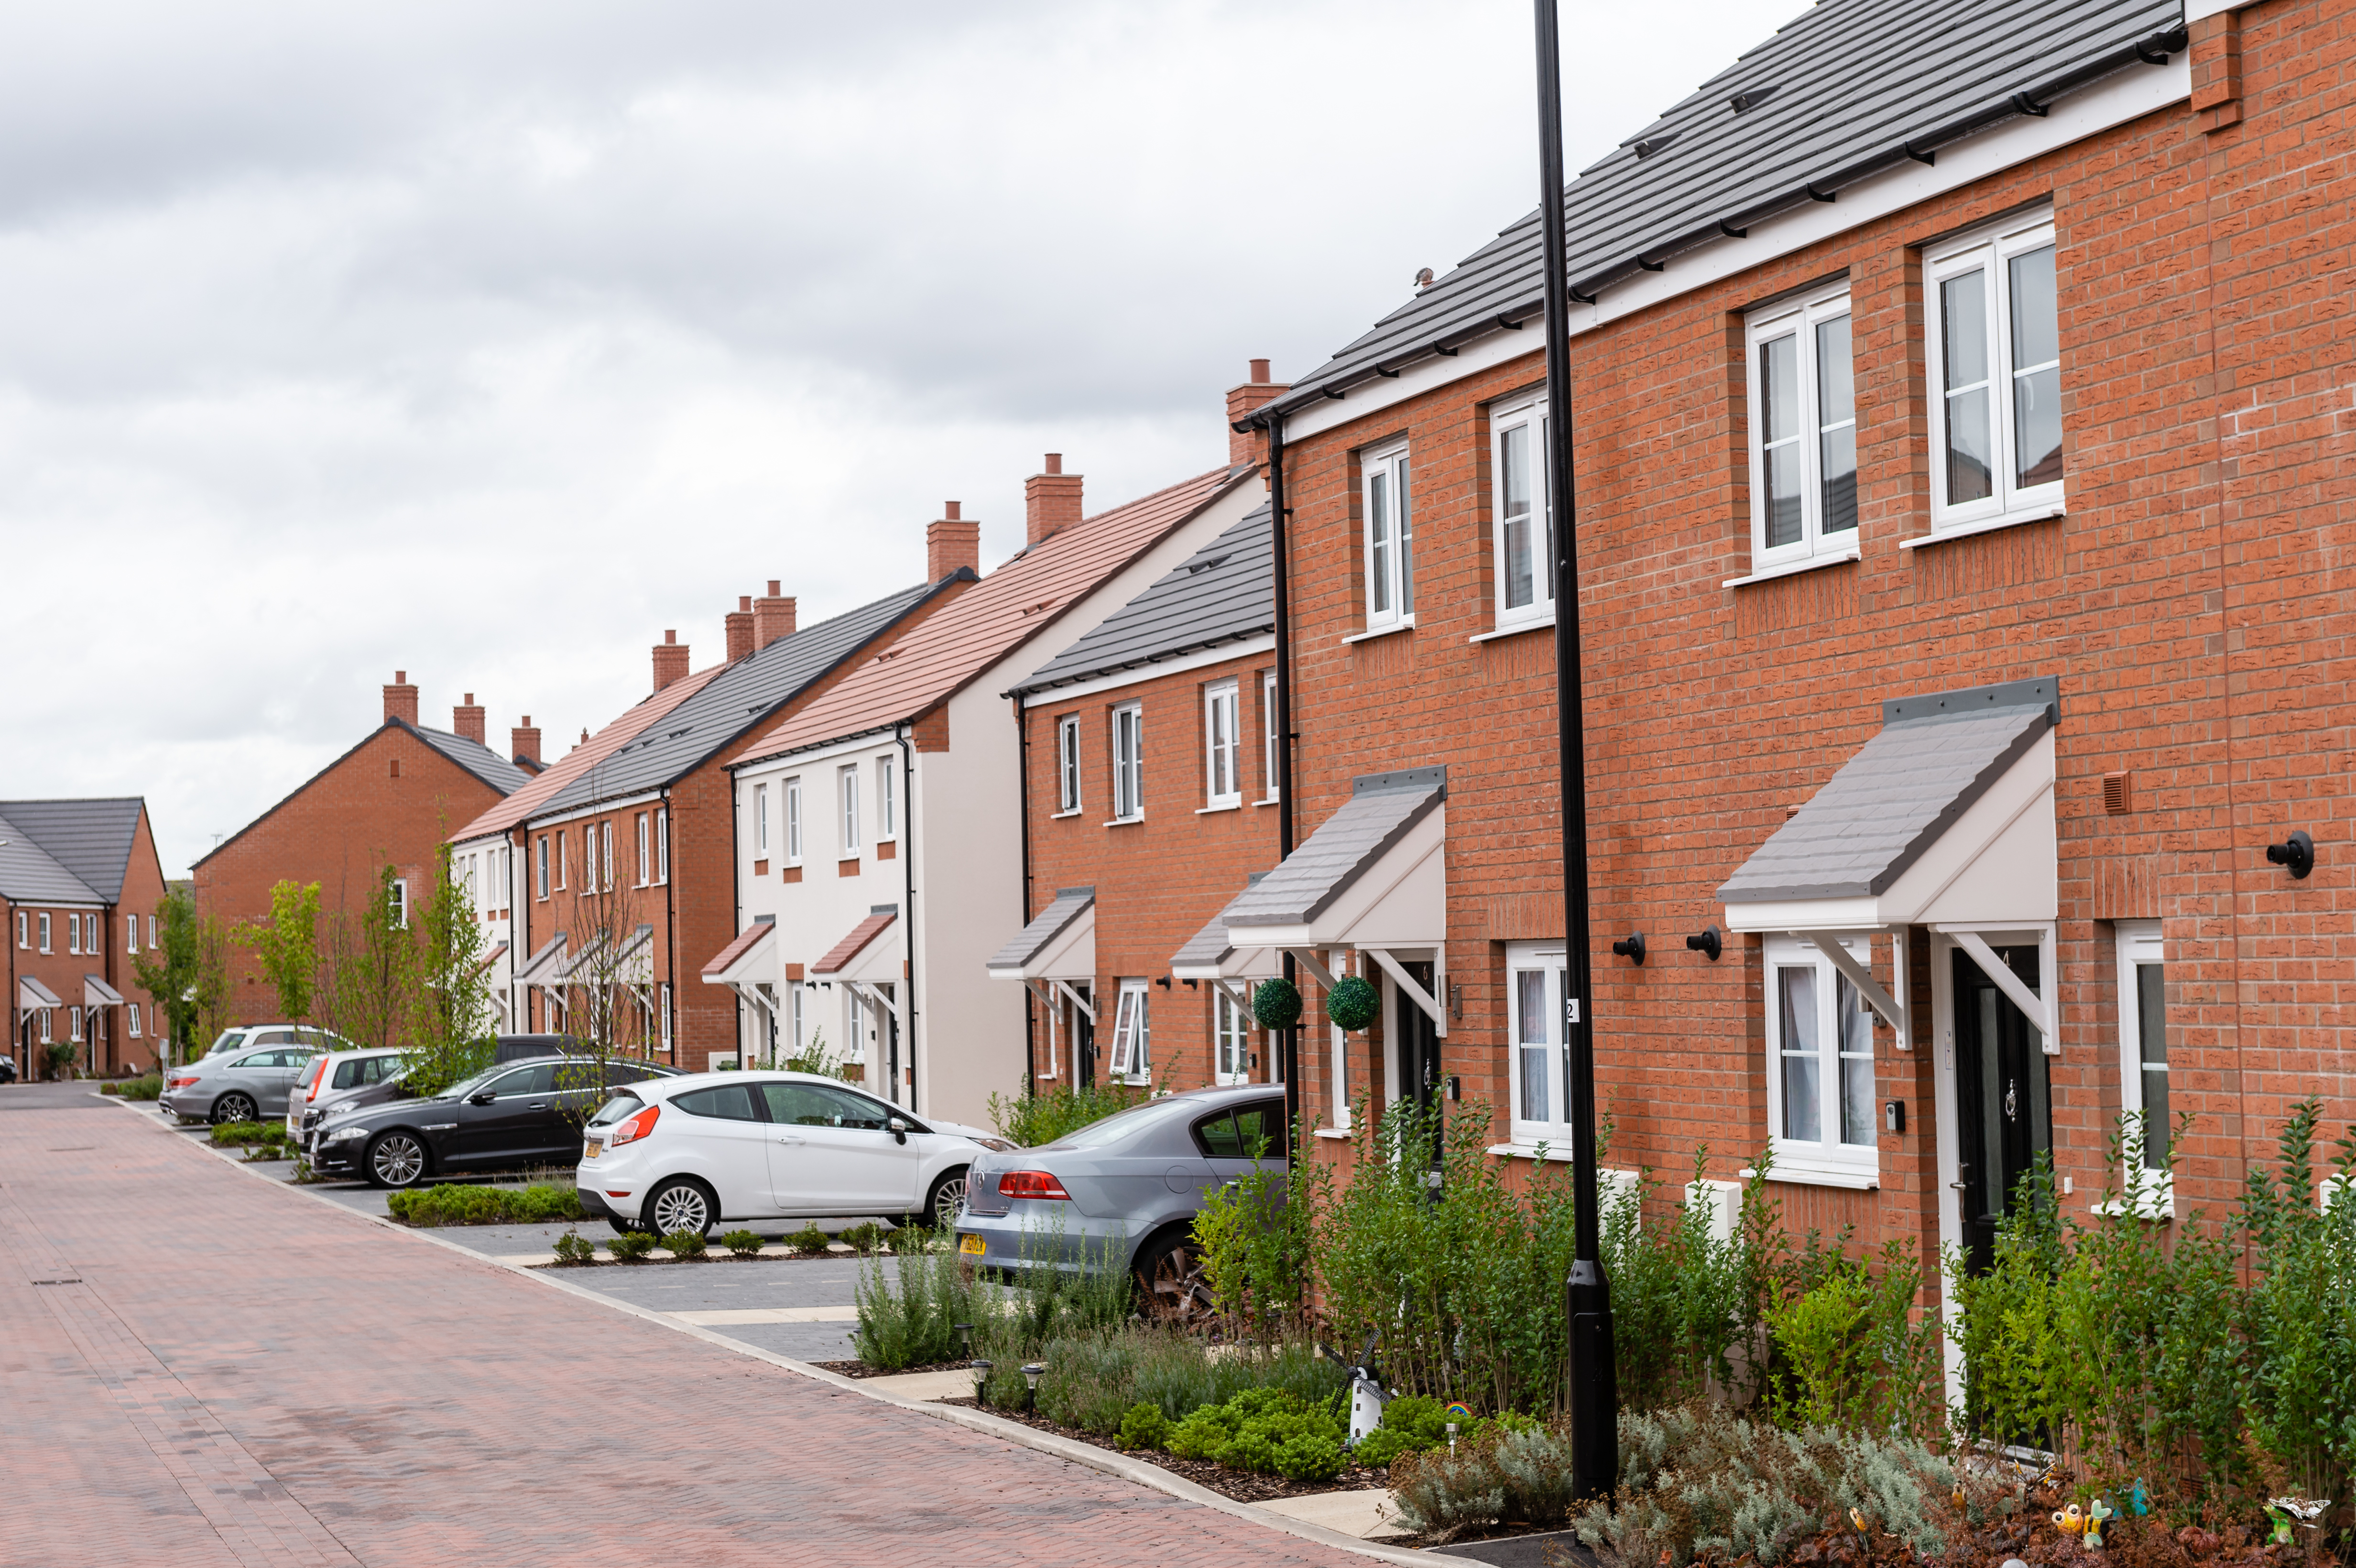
(1595, 1391)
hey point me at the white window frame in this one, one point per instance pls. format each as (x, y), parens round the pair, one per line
(666, 1018)
(606, 853)
(151, 933)
(73, 1024)
(1068, 765)
(1223, 783)
(131, 933)
(1799, 319)
(2138, 945)
(1133, 1034)
(73, 937)
(846, 789)
(400, 904)
(1541, 1039)
(1825, 1160)
(23, 928)
(44, 1024)
(1991, 250)
(1525, 418)
(563, 859)
(793, 821)
(887, 800)
(644, 867)
(760, 822)
(1231, 1029)
(539, 869)
(1128, 736)
(1386, 537)
(1268, 724)
(132, 1019)
(45, 930)
(797, 1021)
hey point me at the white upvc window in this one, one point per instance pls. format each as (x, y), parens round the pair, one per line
(761, 821)
(151, 933)
(1820, 1094)
(399, 897)
(887, 797)
(1128, 763)
(1132, 1036)
(1523, 542)
(1268, 738)
(132, 1019)
(1803, 386)
(564, 857)
(2143, 1042)
(131, 933)
(665, 1004)
(45, 930)
(846, 782)
(1067, 764)
(73, 937)
(646, 863)
(793, 822)
(1222, 744)
(1993, 345)
(73, 1023)
(1388, 514)
(24, 929)
(1230, 1041)
(1535, 977)
(44, 1024)
(605, 842)
(795, 1019)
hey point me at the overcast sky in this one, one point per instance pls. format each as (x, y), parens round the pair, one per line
(488, 340)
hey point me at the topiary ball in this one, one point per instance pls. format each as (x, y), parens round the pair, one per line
(1354, 1003)
(1277, 1003)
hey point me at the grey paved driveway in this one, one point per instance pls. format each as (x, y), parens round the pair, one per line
(202, 1367)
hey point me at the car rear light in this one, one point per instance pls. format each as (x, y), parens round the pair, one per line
(632, 1128)
(318, 1072)
(181, 1083)
(1030, 1184)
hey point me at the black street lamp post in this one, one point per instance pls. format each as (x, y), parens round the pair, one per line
(1594, 1387)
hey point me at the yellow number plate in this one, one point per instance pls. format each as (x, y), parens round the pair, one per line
(591, 1149)
(972, 1246)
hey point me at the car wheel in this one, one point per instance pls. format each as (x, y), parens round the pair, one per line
(680, 1206)
(1170, 1277)
(946, 1202)
(234, 1107)
(397, 1159)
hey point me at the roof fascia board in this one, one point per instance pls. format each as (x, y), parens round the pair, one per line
(643, 797)
(1241, 648)
(93, 902)
(2113, 101)
(818, 753)
(2195, 10)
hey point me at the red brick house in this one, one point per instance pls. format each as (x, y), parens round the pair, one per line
(390, 800)
(1961, 459)
(80, 885)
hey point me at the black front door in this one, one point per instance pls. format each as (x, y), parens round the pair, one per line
(1417, 1047)
(2003, 1113)
(1083, 1047)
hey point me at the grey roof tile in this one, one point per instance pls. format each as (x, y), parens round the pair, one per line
(499, 773)
(741, 698)
(30, 874)
(1223, 591)
(1209, 948)
(91, 838)
(1068, 905)
(1888, 804)
(1381, 810)
(1839, 93)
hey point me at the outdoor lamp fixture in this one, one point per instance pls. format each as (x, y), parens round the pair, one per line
(981, 1382)
(1706, 940)
(1164, 982)
(965, 1333)
(1594, 1394)
(1032, 1373)
(1633, 948)
(2298, 853)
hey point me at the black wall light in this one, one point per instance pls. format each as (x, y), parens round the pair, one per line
(1706, 940)
(1633, 948)
(2298, 853)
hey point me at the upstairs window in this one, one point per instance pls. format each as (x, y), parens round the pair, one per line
(1524, 545)
(761, 821)
(131, 933)
(73, 937)
(1067, 764)
(662, 844)
(588, 856)
(152, 937)
(645, 866)
(793, 821)
(45, 930)
(540, 868)
(1802, 431)
(1389, 514)
(1268, 738)
(1993, 344)
(847, 788)
(606, 838)
(1222, 749)
(400, 904)
(887, 797)
(563, 854)
(134, 1019)
(24, 929)
(1128, 763)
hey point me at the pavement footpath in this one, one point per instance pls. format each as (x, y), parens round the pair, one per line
(203, 1368)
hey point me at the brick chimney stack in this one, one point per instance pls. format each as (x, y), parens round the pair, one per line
(1248, 446)
(951, 542)
(466, 719)
(739, 622)
(773, 617)
(670, 660)
(400, 700)
(1051, 500)
(523, 740)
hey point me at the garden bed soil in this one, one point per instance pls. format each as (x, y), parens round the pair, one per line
(861, 1370)
(1238, 1486)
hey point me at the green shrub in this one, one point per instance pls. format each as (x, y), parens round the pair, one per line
(1257, 1250)
(573, 1249)
(1267, 1430)
(908, 1316)
(631, 1247)
(1032, 1120)
(809, 1241)
(1410, 1421)
(148, 1088)
(1142, 1426)
(1847, 1352)
(867, 1236)
(744, 1243)
(683, 1244)
(458, 1204)
(235, 1135)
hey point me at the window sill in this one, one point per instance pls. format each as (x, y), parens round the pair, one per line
(1819, 1173)
(1545, 626)
(1984, 525)
(1230, 806)
(1059, 816)
(1549, 1150)
(1271, 800)
(1393, 630)
(1126, 821)
(1794, 568)
(1332, 1132)
(2153, 1200)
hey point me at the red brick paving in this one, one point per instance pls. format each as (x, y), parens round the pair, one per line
(243, 1376)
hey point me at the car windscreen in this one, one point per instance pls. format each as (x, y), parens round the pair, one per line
(466, 1086)
(614, 1109)
(1126, 1123)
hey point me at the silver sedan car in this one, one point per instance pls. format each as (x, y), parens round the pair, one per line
(1123, 1190)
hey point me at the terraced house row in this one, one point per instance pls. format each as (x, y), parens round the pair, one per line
(1961, 427)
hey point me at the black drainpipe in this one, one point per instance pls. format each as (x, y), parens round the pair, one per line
(1022, 795)
(1279, 542)
(908, 903)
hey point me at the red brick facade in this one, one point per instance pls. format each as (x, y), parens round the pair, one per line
(88, 938)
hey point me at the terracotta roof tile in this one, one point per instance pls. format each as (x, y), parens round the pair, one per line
(545, 786)
(850, 947)
(996, 615)
(737, 949)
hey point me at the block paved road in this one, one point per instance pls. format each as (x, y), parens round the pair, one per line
(203, 1368)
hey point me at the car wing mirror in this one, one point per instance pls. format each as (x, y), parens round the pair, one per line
(481, 1097)
(899, 1130)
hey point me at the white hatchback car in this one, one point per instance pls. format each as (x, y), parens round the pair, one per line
(688, 1153)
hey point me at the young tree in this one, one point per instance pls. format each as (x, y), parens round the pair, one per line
(375, 967)
(450, 1022)
(187, 976)
(287, 943)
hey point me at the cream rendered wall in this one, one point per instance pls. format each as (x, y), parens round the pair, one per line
(491, 896)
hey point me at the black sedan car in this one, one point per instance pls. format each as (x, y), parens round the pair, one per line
(518, 1113)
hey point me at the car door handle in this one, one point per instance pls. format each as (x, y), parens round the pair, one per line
(791, 1138)
(540, 1105)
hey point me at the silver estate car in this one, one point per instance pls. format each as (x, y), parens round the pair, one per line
(1124, 1189)
(240, 1085)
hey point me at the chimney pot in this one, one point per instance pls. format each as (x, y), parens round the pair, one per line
(1051, 500)
(400, 700)
(951, 543)
(773, 587)
(1055, 463)
(949, 510)
(1247, 445)
(670, 635)
(670, 661)
(468, 720)
(773, 616)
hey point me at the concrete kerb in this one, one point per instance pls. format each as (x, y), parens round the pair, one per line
(1102, 1459)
